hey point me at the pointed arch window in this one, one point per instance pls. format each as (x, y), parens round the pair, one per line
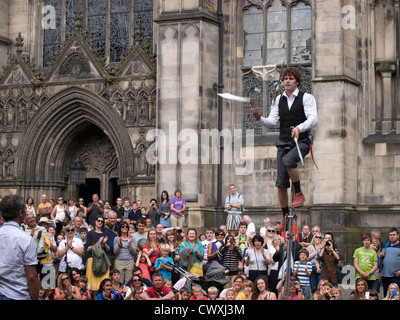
(110, 24)
(274, 32)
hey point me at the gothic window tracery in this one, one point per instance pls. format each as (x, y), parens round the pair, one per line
(107, 21)
(275, 32)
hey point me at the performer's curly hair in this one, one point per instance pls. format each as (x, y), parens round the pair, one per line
(292, 71)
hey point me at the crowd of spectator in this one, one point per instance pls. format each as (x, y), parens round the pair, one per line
(129, 252)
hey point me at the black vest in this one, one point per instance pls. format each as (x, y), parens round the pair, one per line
(291, 118)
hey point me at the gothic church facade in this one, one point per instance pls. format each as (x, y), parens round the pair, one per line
(131, 88)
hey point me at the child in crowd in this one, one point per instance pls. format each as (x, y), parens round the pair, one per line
(168, 283)
(42, 293)
(182, 294)
(136, 294)
(247, 287)
(164, 263)
(212, 293)
(336, 293)
(144, 263)
(197, 293)
(230, 294)
(302, 269)
(84, 288)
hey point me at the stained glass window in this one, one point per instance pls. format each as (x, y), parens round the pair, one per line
(276, 33)
(70, 8)
(119, 29)
(97, 24)
(253, 35)
(268, 41)
(144, 15)
(108, 22)
(51, 36)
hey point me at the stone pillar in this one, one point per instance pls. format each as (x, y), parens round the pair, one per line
(187, 65)
(335, 90)
(385, 120)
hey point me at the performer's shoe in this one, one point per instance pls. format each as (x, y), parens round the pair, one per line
(298, 200)
(281, 226)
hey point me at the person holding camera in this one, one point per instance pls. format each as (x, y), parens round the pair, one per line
(153, 213)
(295, 291)
(330, 260)
(231, 256)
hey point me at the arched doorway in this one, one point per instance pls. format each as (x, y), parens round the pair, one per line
(98, 155)
(74, 122)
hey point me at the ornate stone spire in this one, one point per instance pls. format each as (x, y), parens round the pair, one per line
(138, 34)
(78, 17)
(19, 43)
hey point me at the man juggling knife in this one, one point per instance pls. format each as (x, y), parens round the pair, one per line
(296, 112)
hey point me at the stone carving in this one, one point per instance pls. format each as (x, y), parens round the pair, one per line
(1, 115)
(143, 109)
(16, 77)
(21, 118)
(119, 104)
(141, 166)
(7, 159)
(98, 155)
(131, 116)
(75, 65)
(10, 115)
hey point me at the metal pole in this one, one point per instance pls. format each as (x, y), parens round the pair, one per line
(289, 250)
(219, 209)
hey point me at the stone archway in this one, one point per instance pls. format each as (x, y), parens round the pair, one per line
(48, 144)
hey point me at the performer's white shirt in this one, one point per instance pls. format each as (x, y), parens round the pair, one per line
(310, 111)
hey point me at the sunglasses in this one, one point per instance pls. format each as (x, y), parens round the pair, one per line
(70, 230)
(136, 280)
(124, 226)
(98, 220)
(221, 234)
(59, 199)
(318, 237)
(63, 279)
(270, 230)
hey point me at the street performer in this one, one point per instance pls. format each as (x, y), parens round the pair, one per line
(296, 111)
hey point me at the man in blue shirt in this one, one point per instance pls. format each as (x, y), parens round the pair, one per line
(391, 261)
(18, 259)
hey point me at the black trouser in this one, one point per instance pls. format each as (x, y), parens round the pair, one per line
(254, 274)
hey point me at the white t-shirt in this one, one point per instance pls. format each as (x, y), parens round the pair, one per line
(74, 260)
